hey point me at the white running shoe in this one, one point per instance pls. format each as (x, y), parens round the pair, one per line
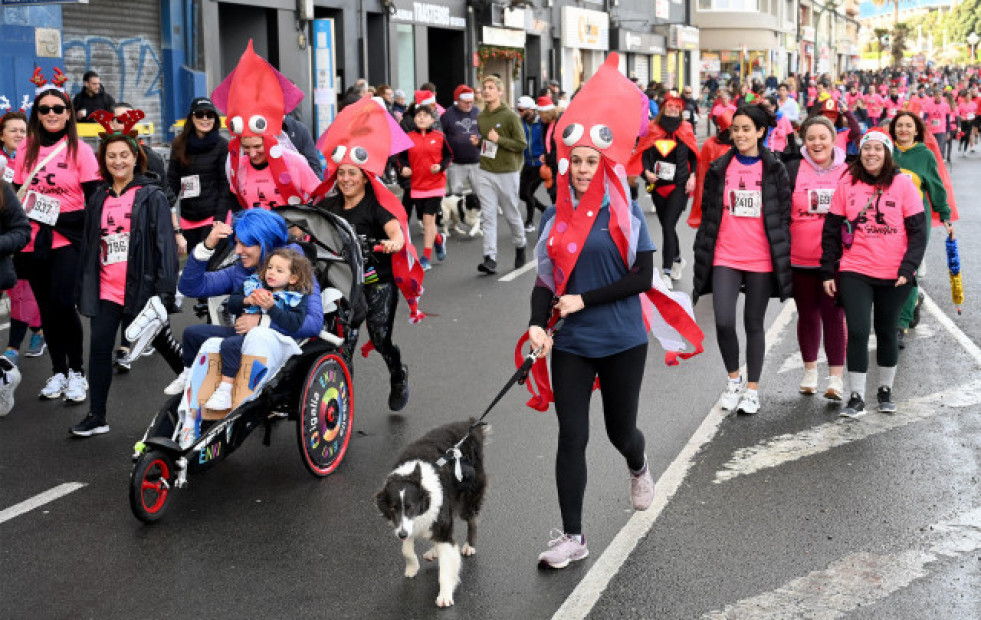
(220, 400)
(809, 384)
(78, 388)
(749, 403)
(146, 326)
(730, 398)
(55, 386)
(667, 281)
(835, 388)
(677, 268)
(9, 380)
(177, 385)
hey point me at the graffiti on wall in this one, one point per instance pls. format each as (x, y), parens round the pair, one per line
(130, 70)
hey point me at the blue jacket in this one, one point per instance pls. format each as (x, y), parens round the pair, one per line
(197, 281)
(535, 138)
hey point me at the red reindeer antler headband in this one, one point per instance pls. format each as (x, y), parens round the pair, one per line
(127, 119)
(57, 81)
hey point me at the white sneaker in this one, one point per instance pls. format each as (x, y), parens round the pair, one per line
(220, 400)
(9, 380)
(177, 385)
(730, 398)
(667, 281)
(676, 269)
(749, 403)
(809, 384)
(78, 387)
(55, 386)
(835, 388)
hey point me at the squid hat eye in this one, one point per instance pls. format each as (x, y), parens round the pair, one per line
(602, 136)
(359, 155)
(236, 125)
(572, 134)
(258, 124)
(338, 154)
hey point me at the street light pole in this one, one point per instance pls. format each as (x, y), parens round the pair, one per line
(973, 39)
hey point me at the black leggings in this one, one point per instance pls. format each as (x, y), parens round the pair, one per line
(726, 283)
(18, 329)
(102, 340)
(620, 376)
(53, 280)
(381, 300)
(869, 303)
(669, 210)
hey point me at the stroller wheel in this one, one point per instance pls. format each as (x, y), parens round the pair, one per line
(150, 485)
(326, 415)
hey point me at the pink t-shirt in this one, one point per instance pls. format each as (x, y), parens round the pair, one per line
(117, 213)
(893, 108)
(883, 89)
(853, 99)
(875, 102)
(880, 238)
(810, 203)
(935, 116)
(258, 189)
(60, 179)
(742, 242)
(966, 110)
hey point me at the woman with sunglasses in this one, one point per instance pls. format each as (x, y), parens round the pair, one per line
(874, 237)
(197, 173)
(23, 308)
(54, 173)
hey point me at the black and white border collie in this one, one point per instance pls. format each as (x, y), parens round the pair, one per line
(421, 499)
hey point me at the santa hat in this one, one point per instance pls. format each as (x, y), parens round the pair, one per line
(545, 104)
(830, 109)
(876, 135)
(57, 82)
(463, 93)
(425, 97)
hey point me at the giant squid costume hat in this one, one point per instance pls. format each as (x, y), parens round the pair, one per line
(365, 135)
(254, 98)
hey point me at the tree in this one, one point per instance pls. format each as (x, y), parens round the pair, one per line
(899, 34)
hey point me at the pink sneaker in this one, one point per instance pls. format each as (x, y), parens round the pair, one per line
(642, 489)
(563, 549)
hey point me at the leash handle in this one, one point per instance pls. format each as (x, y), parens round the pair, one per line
(550, 332)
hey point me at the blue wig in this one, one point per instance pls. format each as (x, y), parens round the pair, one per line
(262, 228)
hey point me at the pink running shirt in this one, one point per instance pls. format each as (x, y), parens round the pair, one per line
(742, 242)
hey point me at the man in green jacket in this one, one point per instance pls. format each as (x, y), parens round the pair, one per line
(501, 156)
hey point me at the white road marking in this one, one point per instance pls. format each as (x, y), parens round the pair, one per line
(4, 326)
(517, 272)
(584, 597)
(39, 500)
(795, 362)
(792, 447)
(859, 580)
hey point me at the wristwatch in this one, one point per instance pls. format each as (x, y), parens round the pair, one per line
(178, 230)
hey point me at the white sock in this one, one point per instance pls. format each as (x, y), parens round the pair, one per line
(750, 392)
(736, 381)
(887, 374)
(856, 382)
(225, 387)
(576, 537)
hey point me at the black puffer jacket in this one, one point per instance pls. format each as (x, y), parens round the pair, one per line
(776, 221)
(209, 165)
(152, 265)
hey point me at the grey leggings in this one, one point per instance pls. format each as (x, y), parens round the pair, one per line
(726, 283)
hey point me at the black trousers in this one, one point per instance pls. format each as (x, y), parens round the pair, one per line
(669, 210)
(528, 183)
(726, 283)
(620, 376)
(102, 341)
(381, 300)
(871, 303)
(53, 280)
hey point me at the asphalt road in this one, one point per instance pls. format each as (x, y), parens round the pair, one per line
(790, 513)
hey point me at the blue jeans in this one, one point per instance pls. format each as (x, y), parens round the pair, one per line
(195, 335)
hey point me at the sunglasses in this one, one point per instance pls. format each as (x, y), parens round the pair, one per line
(48, 109)
(203, 114)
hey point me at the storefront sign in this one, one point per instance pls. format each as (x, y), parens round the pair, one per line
(662, 9)
(807, 33)
(683, 38)
(503, 37)
(711, 63)
(29, 2)
(585, 29)
(429, 14)
(637, 42)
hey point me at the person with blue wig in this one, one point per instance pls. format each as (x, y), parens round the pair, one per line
(256, 232)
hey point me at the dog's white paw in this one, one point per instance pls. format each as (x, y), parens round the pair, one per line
(430, 556)
(466, 550)
(411, 571)
(444, 600)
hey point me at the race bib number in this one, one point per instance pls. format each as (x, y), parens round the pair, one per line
(41, 208)
(892, 112)
(8, 174)
(664, 170)
(935, 122)
(746, 202)
(115, 248)
(820, 200)
(488, 149)
(190, 186)
(970, 117)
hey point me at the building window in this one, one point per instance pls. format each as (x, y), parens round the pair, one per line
(729, 5)
(406, 79)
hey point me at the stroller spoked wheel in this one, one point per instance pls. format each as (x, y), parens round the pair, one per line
(326, 415)
(150, 485)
